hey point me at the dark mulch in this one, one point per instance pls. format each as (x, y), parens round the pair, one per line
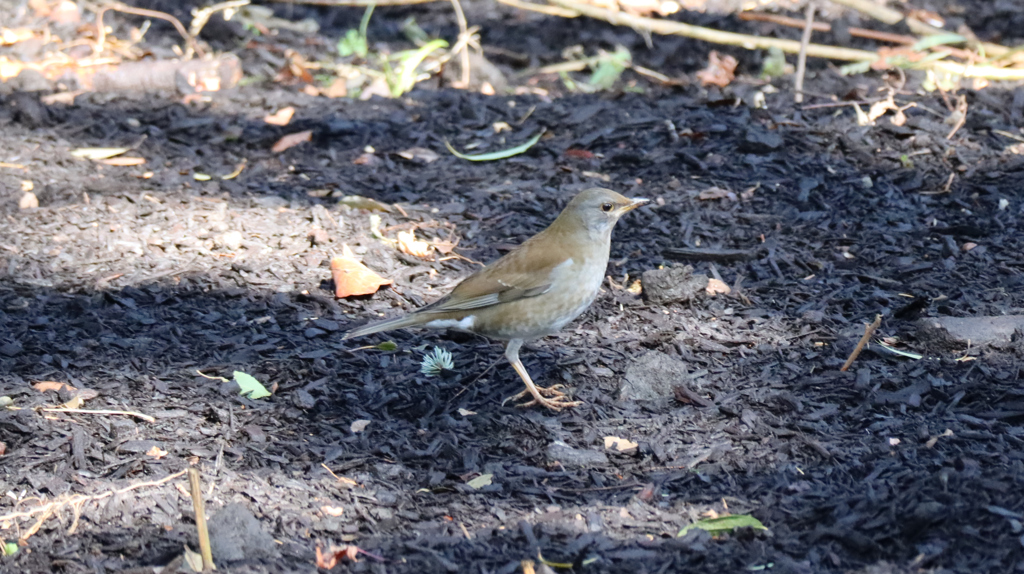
(132, 286)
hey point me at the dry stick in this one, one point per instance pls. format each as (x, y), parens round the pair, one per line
(463, 33)
(826, 27)
(146, 418)
(196, 490)
(542, 8)
(47, 510)
(855, 32)
(671, 28)
(801, 59)
(889, 16)
(869, 330)
(101, 31)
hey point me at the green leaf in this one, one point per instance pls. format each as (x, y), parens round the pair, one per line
(609, 68)
(387, 346)
(10, 548)
(496, 154)
(724, 524)
(480, 481)
(404, 79)
(929, 42)
(855, 68)
(250, 386)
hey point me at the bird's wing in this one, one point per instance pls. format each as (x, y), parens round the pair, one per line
(520, 274)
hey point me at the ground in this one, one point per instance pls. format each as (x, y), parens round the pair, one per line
(134, 287)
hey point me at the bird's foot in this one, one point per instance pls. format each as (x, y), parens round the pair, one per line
(557, 402)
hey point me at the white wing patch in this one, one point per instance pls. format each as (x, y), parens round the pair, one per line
(464, 324)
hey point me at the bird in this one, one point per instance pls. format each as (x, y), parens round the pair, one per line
(532, 291)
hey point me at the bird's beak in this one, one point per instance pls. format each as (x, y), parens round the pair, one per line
(634, 203)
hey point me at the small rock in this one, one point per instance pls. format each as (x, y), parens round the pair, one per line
(672, 284)
(313, 332)
(955, 332)
(318, 236)
(653, 377)
(10, 349)
(758, 141)
(574, 457)
(28, 201)
(229, 240)
(236, 535)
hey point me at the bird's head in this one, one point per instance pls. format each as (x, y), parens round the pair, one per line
(596, 210)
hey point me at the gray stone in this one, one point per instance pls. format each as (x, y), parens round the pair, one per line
(672, 284)
(653, 377)
(236, 535)
(574, 457)
(956, 332)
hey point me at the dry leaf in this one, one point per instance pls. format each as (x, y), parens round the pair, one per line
(292, 140)
(618, 444)
(28, 201)
(716, 286)
(281, 117)
(408, 244)
(332, 510)
(717, 193)
(156, 452)
(359, 425)
(635, 288)
(466, 412)
(366, 159)
(337, 89)
(75, 403)
(10, 36)
(44, 386)
(720, 71)
(123, 161)
(330, 558)
(419, 155)
(353, 278)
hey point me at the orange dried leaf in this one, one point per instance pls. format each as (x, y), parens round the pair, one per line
(44, 386)
(156, 452)
(408, 244)
(353, 278)
(720, 71)
(292, 140)
(716, 286)
(281, 117)
(330, 558)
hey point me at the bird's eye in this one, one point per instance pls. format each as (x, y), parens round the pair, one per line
(606, 207)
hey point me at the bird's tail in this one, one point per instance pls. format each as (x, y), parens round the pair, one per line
(387, 325)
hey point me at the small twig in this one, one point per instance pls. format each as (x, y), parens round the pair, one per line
(889, 16)
(961, 116)
(826, 27)
(460, 17)
(801, 59)
(101, 31)
(196, 490)
(869, 330)
(672, 28)
(542, 8)
(47, 510)
(200, 16)
(146, 418)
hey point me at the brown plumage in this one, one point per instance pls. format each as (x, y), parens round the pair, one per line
(534, 290)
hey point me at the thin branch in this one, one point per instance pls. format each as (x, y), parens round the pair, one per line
(869, 330)
(463, 34)
(801, 59)
(196, 490)
(542, 8)
(146, 418)
(101, 30)
(671, 28)
(47, 510)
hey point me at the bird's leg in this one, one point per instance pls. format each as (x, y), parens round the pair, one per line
(558, 400)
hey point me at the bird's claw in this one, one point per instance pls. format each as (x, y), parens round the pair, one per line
(557, 402)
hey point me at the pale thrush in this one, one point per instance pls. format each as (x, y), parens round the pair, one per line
(532, 291)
